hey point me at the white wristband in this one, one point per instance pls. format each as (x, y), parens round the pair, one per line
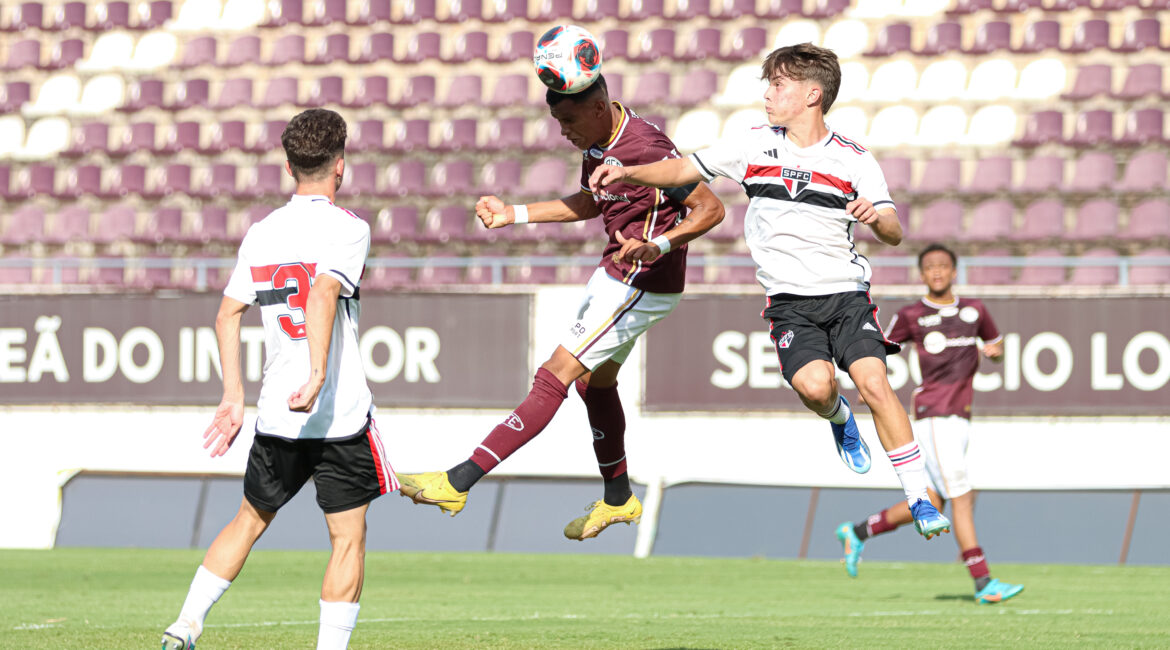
(521, 214)
(662, 243)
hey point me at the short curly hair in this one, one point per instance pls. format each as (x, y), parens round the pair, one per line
(312, 141)
(807, 62)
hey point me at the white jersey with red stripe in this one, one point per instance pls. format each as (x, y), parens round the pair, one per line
(279, 259)
(796, 226)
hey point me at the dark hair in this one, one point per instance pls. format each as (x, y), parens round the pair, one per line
(804, 62)
(312, 141)
(937, 247)
(591, 93)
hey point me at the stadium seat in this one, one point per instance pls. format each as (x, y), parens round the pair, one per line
(747, 44)
(730, 230)
(516, 46)
(373, 90)
(1141, 34)
(191, 93)
(645, 9)
(463, 90)
(1042, 127)
(700, 87)
(388, 277)
(26, 15)
(366, 135)
(419, 90)
(117, 223)
(897, 171)
(460, 134)
(288, 49)
(986, 274)
(1041, 174)
(412, 135)
(70, 224)
(653, 88)
(545, 135)
(281, 91)
(423, 46)
(16, 275)
(13, 96)
(36, 180)
(545, 177)
(990, 221)
(892, 39)
(1042, 275)
(939, 175)
(600, 10)
(615, 82)
(704, 43)
(1093, 80)
(26, 225)
(654, 45)
(499, 177)
(164, 225)
(532, 271)
(213, 225)
(942, 38)
(1039, 36)
(827, 8)
(614, 44)
(110, 16)
(992, 174)
(1094, 171)
(143, 94)
(284, 12)
(553, 11)
(174, 178)
(157, 13)
(137, 136)
(70, 15)
(65, 54)
(265, 180)
(23, 54)
(510, 90)
(219, 179)
(1148, 221)
(1089, 35)
(461, 11)
(781, 9)
(1141, 81)
(416, 11)
(395, 224)
(378, 46)
(91, 137)
(1150, 274)
(452, 177)
(6, 183)
(361, 180)
(1043, 220)
(334, 48)
(82, 180)
(405, 178)
(230, 135)
(183, 136)
(444, 224)
(244, 50)
(373, 11)
(327, 12)
(1092, 128)
(1145, 172)
(1103, 275)
(938, 221)
(504, 134)
(992, 36)
(1143, 127)
(470, 46)
(1096, 219)
(506, 11)
(268, 137)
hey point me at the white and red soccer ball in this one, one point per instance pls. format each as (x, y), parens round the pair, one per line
(567, 59)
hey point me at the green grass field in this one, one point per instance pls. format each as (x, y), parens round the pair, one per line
(119, 598)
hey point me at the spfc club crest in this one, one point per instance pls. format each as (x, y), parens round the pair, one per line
(785, 340)
(795, 179)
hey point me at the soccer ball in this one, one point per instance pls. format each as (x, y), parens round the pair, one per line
(567, 59)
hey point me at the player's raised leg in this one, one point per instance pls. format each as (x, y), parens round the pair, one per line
(449, 489)
(817, 387)
(893, 427)
(607, 421)
(222, 563)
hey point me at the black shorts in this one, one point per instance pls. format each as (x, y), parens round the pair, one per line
(839, 327)
(348, 472)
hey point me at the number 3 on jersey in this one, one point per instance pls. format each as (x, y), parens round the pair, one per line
(294, 281)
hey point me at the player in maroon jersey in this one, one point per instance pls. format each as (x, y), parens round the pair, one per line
(946, 331)
(638, 282)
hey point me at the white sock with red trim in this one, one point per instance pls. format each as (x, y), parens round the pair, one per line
(911, 469)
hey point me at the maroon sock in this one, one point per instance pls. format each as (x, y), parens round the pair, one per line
(976, 563)
(608, 422)
(528, 420)
(879, 523)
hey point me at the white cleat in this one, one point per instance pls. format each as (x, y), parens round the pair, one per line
(181, 635)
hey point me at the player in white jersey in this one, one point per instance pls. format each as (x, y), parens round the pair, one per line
(808, 188)
(302, 264)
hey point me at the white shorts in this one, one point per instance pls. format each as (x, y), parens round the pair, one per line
(943, 441)
(611, 318)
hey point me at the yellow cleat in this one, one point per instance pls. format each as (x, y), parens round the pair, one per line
(433, 488)
(602, 515)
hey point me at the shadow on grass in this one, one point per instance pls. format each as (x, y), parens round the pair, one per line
(966, 597)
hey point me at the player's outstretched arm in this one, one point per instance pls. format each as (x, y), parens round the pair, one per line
(493, 213)
(229, 416)
(672, 172)
(884, 222)
(705, 211)
(320, 311)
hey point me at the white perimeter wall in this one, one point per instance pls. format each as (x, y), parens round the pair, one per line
(42, 447)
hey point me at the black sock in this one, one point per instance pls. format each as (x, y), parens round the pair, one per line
(861, 530)
(617, 490)
(464, 475)
(980, 583)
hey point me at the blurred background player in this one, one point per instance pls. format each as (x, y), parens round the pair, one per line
(946, 331)
(639, 281)
(302, 265)
(808, 188)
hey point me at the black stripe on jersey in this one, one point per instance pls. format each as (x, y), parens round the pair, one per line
(884, 202)
(344, 277)
(275, 296)
(808, 197)
(706, 172)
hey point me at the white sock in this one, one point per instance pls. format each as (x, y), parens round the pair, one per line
(206, 588)
(337, 622)
(839, 413)
(911, 470)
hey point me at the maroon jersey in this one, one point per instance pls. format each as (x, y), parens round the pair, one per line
(638, 212)
(948, 352)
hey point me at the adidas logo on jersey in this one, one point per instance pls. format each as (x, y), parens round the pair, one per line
(773, 153)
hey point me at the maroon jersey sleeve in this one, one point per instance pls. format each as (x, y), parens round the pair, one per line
(987, 329)
(899, 329)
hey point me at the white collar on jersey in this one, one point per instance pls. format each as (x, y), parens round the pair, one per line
(929, 303)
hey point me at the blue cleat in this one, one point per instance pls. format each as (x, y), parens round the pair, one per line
(850, 446)
(928, 521)
(852, 546)
(997, 592)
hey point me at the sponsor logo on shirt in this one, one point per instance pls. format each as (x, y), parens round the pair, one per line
(606, 196)
(930, 320)
(936, 342)
(968, 314)
(773, 153)
(795, 179)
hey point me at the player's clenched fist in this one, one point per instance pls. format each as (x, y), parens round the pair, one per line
(862, 209)
(605, 175)
(492, 212)
(635, 250)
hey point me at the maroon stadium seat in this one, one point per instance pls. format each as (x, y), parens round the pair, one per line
(545, 136)
(91, 137)
(1094, 171)
(412, 135)
(361, 180)
(117, 223)
(439, 270)
(265, 181)
(506, 11)
(892, 39)
(287, 49)
(1148, 221)
(444, 224)
(137, 136)
(416, 11)
(463, 90)
(939, 221)
(987, 274)
(213, 224)
(1042, 275)
(281, 91)
(1042, 127)
(535, 270)
(990, 221)
(452, 177)
(516, 46)
(942, 38)
(510, 90)
(38, 179)
(599, 10)
(423, 46)
(1143, 274)
(127, 180)
(245, 50)
(1043, 220)
(23, 54)
(1041, 174)
(780, 9)
(940, 175)
(730, 230)
(70, 15)
(371, 91)
(545, 177)
(1089, 35)
(740, 274)
(235, 93)
(174, 178)
(1141, 34)
(26, 15)
(645, 9)
(158, 12)
(1145, 172)
(992, 174)
(461, 11)
(470, 46)
(1143, 80)
(333, 49)
(373, 11)
(1104, 275)
(747, 44)
(82, 180)
(395, 224)
(6, 182)
(653, 88)
(327, 12)
(1096, 220)
(26, 225)
(654, 45)
(505, 133)
(164, 225)
(111, 15)
(268, 139)
(827, 8)
(226, 136)
(378, 46)
(143, 94)
(897, 171)
(65, 54)
(685, 10)
(183, 136)
(14, 95)
(288, 12)
(70, 224)
(420, 89)
(1093, 80)
(704, 44)
(1092, 128)
(459, 134)
(220, 179)
(367, 135)
(1143, 127)
(553, 11)
(388, 277)
(1040, 36)
(991, 37)
(405, 178)
(732, 9)
(326, 91)
(699, 87)
(614, 44)
(191, 93)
